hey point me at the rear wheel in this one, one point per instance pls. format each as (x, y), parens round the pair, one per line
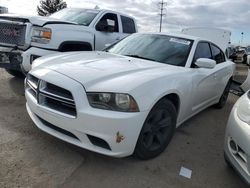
(157, 131)
(224, 96)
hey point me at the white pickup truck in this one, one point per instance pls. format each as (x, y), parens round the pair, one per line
(25, 38)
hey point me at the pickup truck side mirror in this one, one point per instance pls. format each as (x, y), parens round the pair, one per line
(205, 63)
(106, 25)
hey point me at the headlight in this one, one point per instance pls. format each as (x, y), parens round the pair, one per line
(41, 35)
(243, 109)
(113, 101)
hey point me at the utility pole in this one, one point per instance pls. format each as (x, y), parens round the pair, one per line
(242, 37)
(162, 5)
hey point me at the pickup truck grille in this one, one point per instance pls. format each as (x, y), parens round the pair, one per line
(51, 96)
(13, 34)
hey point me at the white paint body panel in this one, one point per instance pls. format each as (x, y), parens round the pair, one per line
(146, 81)
(239, 131)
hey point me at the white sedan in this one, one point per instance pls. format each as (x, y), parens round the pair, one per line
(130, 98)
(237, 139)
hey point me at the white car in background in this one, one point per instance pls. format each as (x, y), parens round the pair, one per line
(130, 98)
(237, 139)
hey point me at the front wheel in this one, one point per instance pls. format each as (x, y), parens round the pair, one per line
(224, 96)
(15, 73)
(157, 131)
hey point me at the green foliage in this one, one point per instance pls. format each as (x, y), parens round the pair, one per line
(47, 7)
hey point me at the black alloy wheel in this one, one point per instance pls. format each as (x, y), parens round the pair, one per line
(157, 131)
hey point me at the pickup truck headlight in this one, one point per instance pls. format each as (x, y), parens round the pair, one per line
(41, 35)
(113, 101)
(243, 109)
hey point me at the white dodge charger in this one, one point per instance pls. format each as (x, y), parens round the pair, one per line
(130, 98)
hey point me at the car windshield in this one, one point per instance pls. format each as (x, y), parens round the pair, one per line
(160, 48)
(79, 16)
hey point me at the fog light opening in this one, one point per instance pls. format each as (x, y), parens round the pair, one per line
(233, 146)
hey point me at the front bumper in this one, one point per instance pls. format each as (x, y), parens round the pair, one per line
(20, 60)
(238, 132)
(11, 58)
(89, 122)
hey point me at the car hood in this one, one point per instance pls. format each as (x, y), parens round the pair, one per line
(35, 20)
(94, 68)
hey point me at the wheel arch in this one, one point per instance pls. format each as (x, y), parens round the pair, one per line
(75, 46)
(173, 97)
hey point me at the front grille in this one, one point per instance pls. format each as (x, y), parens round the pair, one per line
(13, 34)
(51, 96)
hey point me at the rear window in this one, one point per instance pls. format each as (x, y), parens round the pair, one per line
(128, 25)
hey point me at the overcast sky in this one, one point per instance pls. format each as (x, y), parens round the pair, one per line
(228, 14)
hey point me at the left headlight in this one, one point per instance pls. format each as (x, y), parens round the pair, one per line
(113, 101)
(243, 109)
(41, 35)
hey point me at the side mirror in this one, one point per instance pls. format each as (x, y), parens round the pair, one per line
(205, 63)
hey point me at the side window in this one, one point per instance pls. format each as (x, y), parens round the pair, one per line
(218, 55)
(108, 23)
(128, 25)
(202, 51)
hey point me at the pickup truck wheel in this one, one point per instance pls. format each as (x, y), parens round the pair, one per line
(224, 96)
(15, 73)
(157, 131)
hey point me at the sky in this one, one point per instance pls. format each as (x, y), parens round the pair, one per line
(227, 14)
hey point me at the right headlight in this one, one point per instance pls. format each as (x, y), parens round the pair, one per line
(243, 108)
(41, 35)
(113, 101)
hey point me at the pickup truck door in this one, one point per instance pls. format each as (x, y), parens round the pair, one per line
(107, 31)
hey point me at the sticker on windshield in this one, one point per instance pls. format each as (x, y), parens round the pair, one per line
(181, 41)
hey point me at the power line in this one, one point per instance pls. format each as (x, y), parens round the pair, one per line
(162, 6)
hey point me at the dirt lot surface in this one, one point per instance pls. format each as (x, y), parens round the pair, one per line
(31, 158)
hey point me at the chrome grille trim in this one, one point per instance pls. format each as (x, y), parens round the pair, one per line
(56, 96)
(51, 96)
(57, 99)
(12, 33)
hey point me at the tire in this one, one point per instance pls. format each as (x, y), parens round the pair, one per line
(224, 96)
(15, 73)
(157, 131)
(227, 161)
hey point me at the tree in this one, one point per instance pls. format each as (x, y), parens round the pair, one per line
(47, 7)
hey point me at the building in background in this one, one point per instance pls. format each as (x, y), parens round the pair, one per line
(3, 10)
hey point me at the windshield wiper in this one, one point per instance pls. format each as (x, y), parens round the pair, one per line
(140, 57)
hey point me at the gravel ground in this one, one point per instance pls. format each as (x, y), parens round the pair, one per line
(31, 158)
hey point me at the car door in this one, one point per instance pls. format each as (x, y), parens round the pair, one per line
(204, 80)
(222, 71)
(105, 36)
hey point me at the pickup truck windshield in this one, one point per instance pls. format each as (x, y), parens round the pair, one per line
(160, 48)
(79, 16)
